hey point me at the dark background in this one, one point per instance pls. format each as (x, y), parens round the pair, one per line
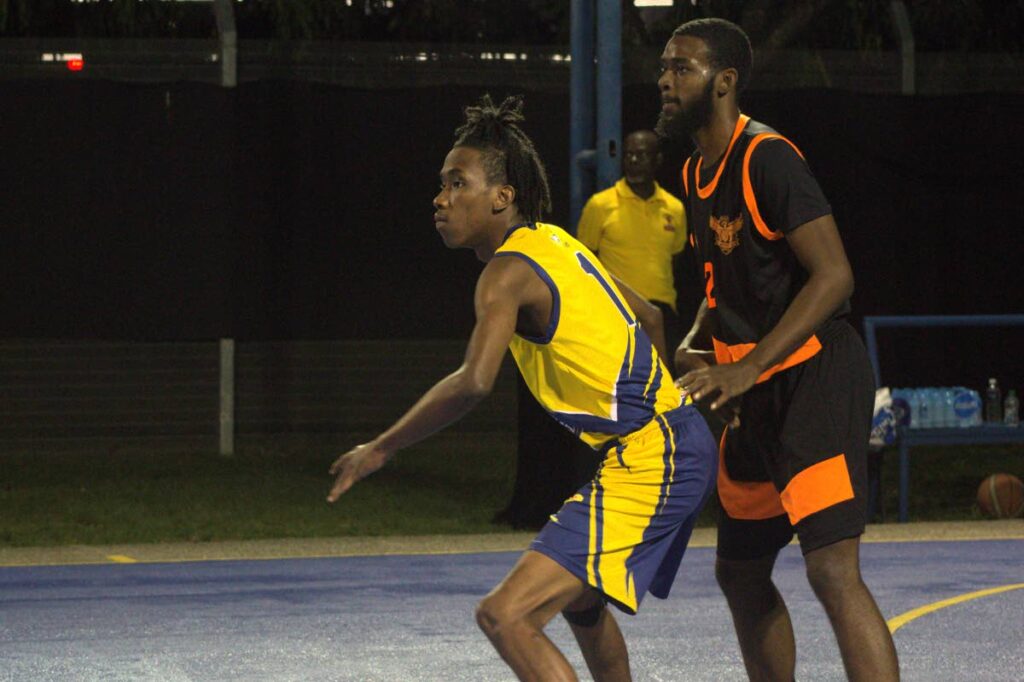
(289, 210)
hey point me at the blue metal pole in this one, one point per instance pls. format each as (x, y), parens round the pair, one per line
(872, 345)
(904, 512)
(581, 108)
(609, 92)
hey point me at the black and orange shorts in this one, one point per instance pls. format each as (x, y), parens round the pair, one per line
(798, 460)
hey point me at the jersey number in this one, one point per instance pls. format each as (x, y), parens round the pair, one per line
(591, 269)
(709, 284)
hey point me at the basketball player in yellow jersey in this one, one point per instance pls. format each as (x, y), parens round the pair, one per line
(575, 338)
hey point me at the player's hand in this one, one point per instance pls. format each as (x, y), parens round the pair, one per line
(720, 383)
(687, 360)
(355, 465)
(729, 412)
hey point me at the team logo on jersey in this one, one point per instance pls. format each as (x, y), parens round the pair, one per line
(668, 226)
(727, 233)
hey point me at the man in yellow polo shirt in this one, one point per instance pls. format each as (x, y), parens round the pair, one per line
(636, 227)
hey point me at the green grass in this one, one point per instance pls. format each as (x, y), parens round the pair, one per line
(275, 488)
(944, 480)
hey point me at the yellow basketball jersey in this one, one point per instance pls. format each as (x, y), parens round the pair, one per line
(595, 370)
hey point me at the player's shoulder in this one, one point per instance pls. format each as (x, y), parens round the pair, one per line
(536, 240)
(605, 199)
(554, 232)
(506, 271)
(755, 128)
(775, 158)
(767, 146)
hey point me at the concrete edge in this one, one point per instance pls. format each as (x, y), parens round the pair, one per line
(295, 548)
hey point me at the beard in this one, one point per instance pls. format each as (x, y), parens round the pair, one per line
(682, 124)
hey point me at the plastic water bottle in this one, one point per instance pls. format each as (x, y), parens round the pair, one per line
(948, 407)
(909, 396)
(920, 417)
(993, 403)
(931, 394)
(927, 408)
(938, 409)
(976, 421)
(1011, 409)
(966, 407)
(901, 406)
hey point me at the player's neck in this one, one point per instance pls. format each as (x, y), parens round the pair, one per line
(713, 139)
(497, 234)
(644, 189)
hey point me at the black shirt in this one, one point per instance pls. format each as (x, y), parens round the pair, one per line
(739, 211)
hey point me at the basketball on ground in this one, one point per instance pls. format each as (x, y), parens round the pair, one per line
(1001, 496)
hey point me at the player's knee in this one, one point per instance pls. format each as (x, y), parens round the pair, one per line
(587, 616)
(741, 577)
(491, 615)
(832, 575)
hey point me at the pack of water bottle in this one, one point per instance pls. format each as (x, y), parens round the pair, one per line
(937, 407)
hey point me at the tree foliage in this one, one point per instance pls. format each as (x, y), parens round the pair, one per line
(106, 19)
(982, 25)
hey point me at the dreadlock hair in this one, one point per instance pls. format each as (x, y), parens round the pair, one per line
(728, 44)
(508, 155)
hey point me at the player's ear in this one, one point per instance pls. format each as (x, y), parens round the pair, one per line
(725, 81)
(505, 197)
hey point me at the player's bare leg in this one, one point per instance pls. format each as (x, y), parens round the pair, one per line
(599, 638)
(515, 612)
(863, 637)
(759, 614)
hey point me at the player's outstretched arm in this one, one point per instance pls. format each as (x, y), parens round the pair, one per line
(648, 314)
(497, 305)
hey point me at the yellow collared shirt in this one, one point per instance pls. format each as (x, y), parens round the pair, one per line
(636, 238)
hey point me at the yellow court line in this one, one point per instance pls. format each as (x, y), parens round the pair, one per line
(904, 618)
(122, 559)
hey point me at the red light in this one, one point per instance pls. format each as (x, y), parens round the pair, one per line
(75, 64)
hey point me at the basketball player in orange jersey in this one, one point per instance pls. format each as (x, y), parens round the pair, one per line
(771, 342)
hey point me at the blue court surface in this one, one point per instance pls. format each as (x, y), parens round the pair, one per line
(407, 618)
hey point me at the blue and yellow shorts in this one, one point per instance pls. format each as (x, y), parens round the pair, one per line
(624, 533)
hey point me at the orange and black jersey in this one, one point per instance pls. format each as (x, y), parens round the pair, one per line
(739, 211)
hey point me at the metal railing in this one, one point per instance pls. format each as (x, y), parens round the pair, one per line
(212, 391)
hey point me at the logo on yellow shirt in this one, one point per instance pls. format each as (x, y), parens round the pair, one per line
(668, 226)
(727, 233)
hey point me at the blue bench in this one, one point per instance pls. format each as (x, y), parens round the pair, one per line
(987, 434)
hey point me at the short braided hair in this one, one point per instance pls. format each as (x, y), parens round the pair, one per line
(509, 157)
